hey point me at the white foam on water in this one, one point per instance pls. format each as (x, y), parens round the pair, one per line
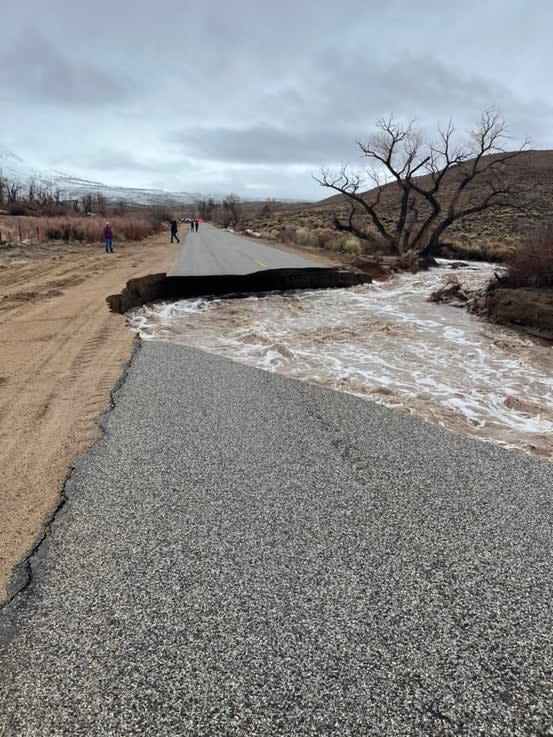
(384, 342)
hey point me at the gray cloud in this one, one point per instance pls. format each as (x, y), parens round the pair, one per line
(264, 144)
(349, 97)
(34, 67)
(113, 160)
(253, 96)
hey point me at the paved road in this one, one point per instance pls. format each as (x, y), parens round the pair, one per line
(242, 554)
(211, 252)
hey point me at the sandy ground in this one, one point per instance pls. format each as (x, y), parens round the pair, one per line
(61, 354)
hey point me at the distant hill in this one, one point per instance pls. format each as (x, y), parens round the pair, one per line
(15, 169)
(531, 172)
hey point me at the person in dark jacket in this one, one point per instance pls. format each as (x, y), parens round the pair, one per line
(108, 238)
(174, 228)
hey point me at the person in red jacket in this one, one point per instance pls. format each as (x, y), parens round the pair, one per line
(108, 238)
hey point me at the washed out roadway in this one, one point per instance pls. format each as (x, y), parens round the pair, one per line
(242, 554)
(215, 252)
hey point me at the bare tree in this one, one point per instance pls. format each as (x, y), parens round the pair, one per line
(13, 192)
(101, 204)
(268, 207)
(206, 207)
(87, 202)
(43, 196)
(405, 213)
(233, 205)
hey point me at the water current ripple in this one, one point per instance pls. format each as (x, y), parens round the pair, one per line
(384, 342)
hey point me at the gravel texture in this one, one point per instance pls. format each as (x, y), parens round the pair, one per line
(242, 554)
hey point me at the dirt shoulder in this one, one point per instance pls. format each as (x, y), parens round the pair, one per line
(61, 354)
(530, 309)
(377, 267)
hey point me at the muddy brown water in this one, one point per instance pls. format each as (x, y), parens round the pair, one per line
(387, 343)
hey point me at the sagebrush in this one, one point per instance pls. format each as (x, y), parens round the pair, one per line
(531, 264)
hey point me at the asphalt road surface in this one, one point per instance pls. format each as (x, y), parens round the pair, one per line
(212, 252)
(242, 554)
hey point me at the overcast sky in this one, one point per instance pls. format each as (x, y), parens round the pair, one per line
(251, 96)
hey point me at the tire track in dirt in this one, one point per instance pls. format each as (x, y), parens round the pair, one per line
(10, 281)
(60, 355)
(43, 287)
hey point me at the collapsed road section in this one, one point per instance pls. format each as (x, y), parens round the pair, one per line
(156, 287)
(216, 262)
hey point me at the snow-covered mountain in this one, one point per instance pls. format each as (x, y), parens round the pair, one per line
(16, 170)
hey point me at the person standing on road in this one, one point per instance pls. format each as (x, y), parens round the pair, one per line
(196, 225)
(108, 238)
(192, 223)
(174, 228)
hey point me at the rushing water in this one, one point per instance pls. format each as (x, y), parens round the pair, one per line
(384, 342)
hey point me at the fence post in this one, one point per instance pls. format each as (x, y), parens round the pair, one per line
(20, 237)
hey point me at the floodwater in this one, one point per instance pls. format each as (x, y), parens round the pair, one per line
(386, 343)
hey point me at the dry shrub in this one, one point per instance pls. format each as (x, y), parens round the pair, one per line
(335, 243)
(160, 213)
(18, 210)
(78, 228)
(531, 264)
(351, 245)
(323, 236)
(305, 237)
(287, 234)
(476, 247)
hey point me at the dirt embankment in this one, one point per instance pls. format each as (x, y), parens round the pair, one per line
(61, 354)
(530, 309)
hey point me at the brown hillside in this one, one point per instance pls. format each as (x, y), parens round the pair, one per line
(493, 232)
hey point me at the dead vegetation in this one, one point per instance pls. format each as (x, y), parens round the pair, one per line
(490, 235)
(131, 227)
(35, 212)
(462, 178)
(531, 263)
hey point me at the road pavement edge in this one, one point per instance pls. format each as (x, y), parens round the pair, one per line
(23, 573)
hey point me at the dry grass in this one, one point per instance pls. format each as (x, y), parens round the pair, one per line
(313, 227)
(324, 238)
(76, 228)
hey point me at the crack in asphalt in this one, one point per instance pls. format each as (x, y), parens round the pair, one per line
(24, 571)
